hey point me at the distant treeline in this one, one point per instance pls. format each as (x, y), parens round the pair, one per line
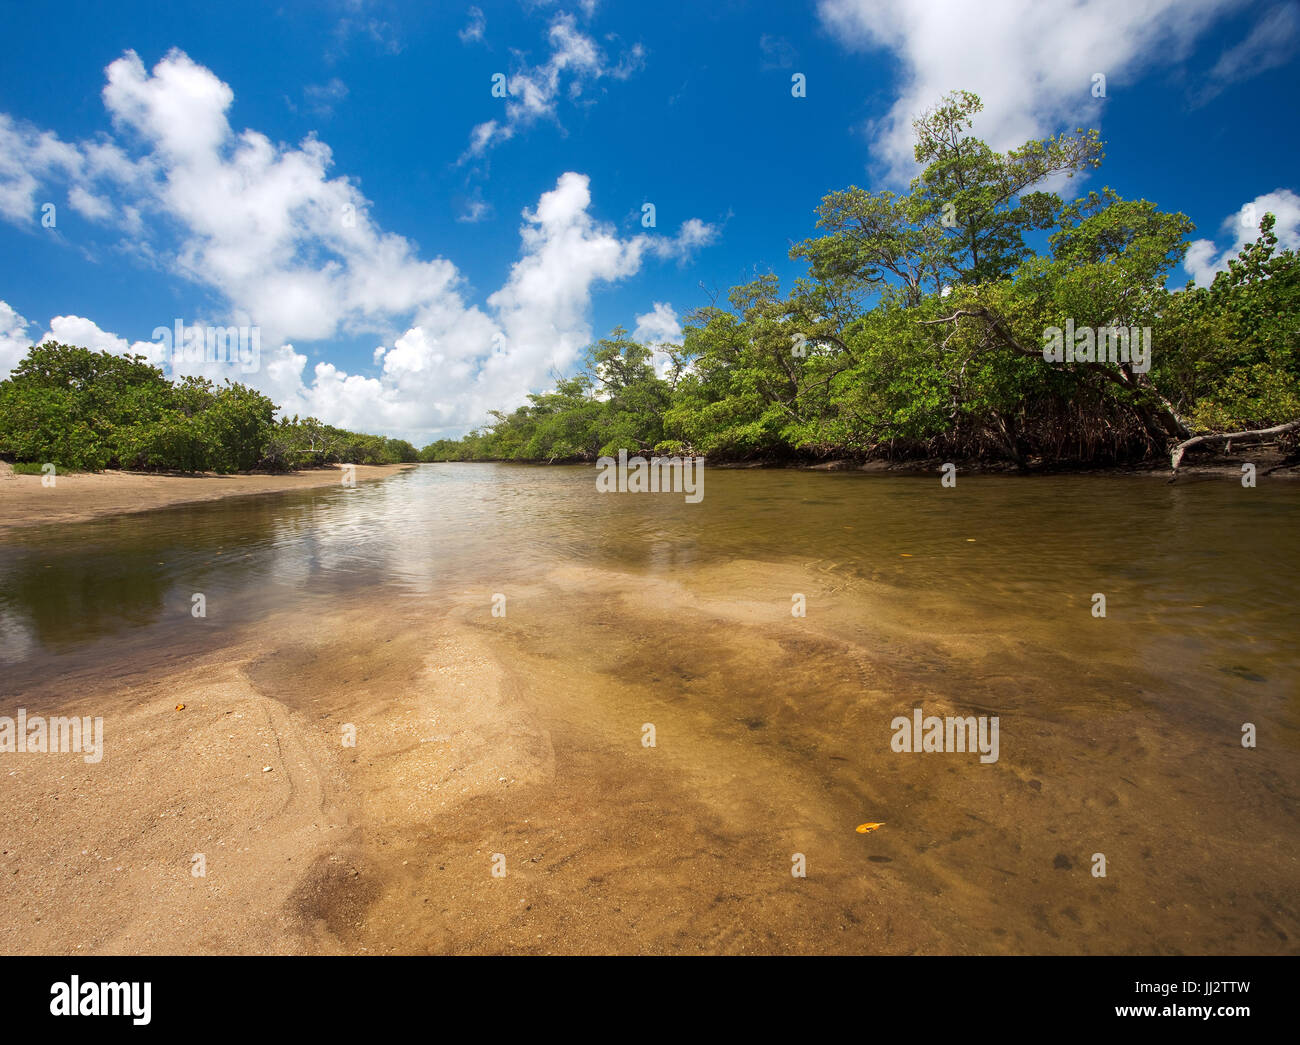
(84, 410)
(919, 332)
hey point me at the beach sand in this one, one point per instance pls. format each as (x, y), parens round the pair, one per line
(87, 495)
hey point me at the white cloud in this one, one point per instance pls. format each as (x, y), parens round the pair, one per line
(1204, 258)
(692, 235)
(88, 205)
(534, 90)
(659, 327)
(74, 330)
(473, 31)
(293, 251)
(475, 208)
(322, 97)
(264, 225)
(1269, 44)
(1031, 62)
(542, 307)
(26, 157)
(14, 339)
(486, 134)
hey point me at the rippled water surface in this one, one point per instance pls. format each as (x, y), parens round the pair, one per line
(1119, 734)
(1202, 575)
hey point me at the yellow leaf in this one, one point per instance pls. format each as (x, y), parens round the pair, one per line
(865, 828)
(180, 707)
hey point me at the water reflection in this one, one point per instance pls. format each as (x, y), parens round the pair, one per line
(1201, 569)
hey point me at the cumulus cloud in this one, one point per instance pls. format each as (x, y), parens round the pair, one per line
(544, 302)
(264, 225)
(75, 330)
(14, 340)
(659, 328)
(16, 337)
(1204, 258)
(293, 251)
(1032, 63)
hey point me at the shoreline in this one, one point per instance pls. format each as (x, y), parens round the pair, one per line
(1269, 463)
(82, 496)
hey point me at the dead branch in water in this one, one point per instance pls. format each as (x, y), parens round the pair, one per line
(1211, 438)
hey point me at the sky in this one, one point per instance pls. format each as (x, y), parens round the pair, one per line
(429, 210)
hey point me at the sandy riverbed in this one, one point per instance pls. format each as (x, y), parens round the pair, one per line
(477, 737)
(466, 748)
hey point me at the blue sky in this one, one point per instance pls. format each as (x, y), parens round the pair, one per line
(201, 160)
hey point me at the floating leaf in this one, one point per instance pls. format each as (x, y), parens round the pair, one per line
(180, 707)
(867, 828)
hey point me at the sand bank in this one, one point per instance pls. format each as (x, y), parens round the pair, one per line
(89, 495)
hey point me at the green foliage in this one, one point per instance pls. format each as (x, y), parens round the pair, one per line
(919, 332)
(987, 193)
(93, 410)
(67, 404)
(1239, 364)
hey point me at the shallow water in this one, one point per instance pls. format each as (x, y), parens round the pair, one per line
(1201, 576)
(1118, 735)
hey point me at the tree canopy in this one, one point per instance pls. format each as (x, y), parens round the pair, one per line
(920, 326)
(85, 410)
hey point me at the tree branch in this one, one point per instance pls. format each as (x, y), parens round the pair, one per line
(1256, 436)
